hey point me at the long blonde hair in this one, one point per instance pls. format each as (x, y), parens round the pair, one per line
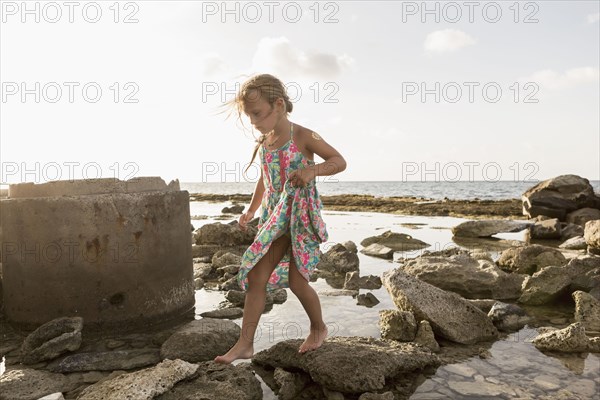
(259, 86)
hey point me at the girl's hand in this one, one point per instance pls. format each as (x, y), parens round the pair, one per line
(302, 177)
(245, 218)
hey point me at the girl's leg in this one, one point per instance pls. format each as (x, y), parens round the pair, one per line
(255, 300)
(310, 301)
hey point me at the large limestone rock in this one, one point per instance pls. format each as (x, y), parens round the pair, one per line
(395, 241)
(397, 325)
(145, 384)
(559, 196)
(214, 381)
(583, 215)
(378, 250)
(349, 364)
(52, 339)
(592, 234)
(571, 339)
(529, 259)
(550, 283)
(201, 340)
(486, 228)
(339, 260)
(108, 360)
(587, 310)
(451, 316)
(31, 384)
(224, 234)
(546, 229)
(467, 276)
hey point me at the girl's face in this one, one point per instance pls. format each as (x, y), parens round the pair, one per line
(262, 116)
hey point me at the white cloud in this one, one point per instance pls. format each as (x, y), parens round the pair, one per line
(593, 18)
(554, 80)
(447, 40)
(213, 64)
(279, 56)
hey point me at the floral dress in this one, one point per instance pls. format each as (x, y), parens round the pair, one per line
(286, 209)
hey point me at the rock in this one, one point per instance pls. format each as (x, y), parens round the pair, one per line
(108, 360)
(224, 234)
(583, 215)
(571, 339)
(378, 250)
(198, 283)
(397, 325)
(370, 282)
(221, 260)
(559, 196)
(228, 313)
(484, 305)
(201, 340)
(529, 259)
(52, 339)
(481, 255)
(377, 396)
(547, 229)
(352, 279)
(214, 381)
(478, 390)
(386, 359)
(395, 241)
(594, 344)
(278, 296)
(53, 396)
(31, 384)
(466, 276)
(238, 297)
(338, 260)
(350, 246)
(368, 299)
(144, 384)
(545, 286)
(575, 243)
(451, 316)
(425, 337)
(290, 383)
(592, 233)
(569, 231)
(587, 310)
(234, 209)
(550, 283)
(508, 317)
(204, 271)
(485, 228)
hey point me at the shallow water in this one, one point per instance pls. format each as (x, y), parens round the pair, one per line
(514, 369)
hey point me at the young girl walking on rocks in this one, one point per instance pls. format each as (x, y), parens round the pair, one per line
(286, 249)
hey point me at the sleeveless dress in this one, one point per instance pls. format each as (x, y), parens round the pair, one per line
(286, 209)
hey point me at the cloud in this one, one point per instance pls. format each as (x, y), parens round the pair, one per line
(279, 56)
(554, 80)
(212, 64)
(447, 40)
(593, 18)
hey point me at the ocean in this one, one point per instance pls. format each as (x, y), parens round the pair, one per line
(485, 190)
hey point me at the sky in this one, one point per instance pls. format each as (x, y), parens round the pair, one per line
(405, 91)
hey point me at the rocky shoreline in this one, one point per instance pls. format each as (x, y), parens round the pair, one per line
(473, 208)
(449, 306)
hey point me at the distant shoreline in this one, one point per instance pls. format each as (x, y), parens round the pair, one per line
(469, 208)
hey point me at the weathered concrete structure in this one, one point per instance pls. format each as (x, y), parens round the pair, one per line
(117, 253)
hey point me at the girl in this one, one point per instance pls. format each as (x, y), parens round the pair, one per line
(285, 250)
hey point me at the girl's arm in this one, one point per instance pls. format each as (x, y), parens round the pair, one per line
(334, 162)
(257, 196)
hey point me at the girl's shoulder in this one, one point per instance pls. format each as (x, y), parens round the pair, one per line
(302, 134)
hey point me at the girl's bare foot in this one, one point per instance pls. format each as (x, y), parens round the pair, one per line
(239, 350)
(314, 340)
